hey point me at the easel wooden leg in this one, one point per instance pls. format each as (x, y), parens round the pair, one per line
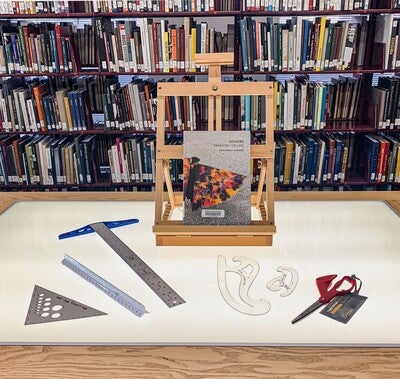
(168, 183)
(270, 191)
(261, 182)
(159, 189)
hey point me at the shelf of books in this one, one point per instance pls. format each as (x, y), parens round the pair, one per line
(78, 89)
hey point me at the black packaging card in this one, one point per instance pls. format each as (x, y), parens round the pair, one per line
(343, 308)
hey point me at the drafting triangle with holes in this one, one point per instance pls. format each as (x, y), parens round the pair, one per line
(48, 306)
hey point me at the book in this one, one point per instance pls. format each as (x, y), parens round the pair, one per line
(38, 93)
(3, 169)
(217, 180)
(244, 47)
(391, 85)
(397, 167)
(338, 162)
(393, 147)
(371, 154)
(379, 97)
(383, 32)
(60, 95)
(289, 146)
(383, 159)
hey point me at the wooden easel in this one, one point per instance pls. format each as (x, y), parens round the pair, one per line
(172, 232)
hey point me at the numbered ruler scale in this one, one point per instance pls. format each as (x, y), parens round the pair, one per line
(173, 232)
(146, 273)
(103, 285)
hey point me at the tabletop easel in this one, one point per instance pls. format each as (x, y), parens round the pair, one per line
(173, 232)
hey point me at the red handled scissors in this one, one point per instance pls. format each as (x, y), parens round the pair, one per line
(328, 291)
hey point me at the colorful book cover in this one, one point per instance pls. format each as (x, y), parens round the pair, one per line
(217, 182)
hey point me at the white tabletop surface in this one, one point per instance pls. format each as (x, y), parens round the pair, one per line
(316, 238)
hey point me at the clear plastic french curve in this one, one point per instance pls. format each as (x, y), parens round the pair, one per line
(247, 277)
(286, 282)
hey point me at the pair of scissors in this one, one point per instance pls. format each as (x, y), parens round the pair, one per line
(328, 291)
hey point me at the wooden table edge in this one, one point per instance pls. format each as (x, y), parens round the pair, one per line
(7, 199)
(198, 362)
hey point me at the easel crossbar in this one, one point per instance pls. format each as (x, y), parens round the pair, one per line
(215, 89)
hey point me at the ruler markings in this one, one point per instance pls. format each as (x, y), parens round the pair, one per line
(153, 280)
(115, 293)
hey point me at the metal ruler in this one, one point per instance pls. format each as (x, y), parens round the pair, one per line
(49, 306)
(158, 285)
(115, 293)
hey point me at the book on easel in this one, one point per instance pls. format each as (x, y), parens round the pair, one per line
(217, 181)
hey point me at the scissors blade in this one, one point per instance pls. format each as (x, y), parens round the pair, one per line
(307, 311)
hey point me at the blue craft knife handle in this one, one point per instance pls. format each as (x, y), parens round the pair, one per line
(88, 229)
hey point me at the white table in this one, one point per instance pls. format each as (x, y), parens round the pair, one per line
(314, 237)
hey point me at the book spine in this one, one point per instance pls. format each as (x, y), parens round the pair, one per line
(244, 48)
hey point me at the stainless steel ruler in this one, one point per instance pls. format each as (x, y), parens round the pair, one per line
(158, 285)
(115, 293)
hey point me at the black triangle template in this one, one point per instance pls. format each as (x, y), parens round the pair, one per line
(48, 306)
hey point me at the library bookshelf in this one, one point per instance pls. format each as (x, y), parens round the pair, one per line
(351, 142)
